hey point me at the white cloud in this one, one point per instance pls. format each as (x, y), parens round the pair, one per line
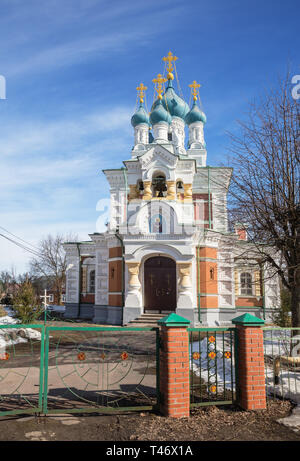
(43, 190)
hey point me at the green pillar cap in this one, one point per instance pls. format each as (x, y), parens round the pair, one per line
(174, 320)
(248, 319)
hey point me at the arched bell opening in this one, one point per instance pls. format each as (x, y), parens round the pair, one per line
(159, 185)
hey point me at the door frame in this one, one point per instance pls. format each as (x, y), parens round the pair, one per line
(142, 279)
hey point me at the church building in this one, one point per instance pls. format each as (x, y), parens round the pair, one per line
(168, 246)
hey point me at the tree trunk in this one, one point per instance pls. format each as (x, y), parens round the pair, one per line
(295, 301)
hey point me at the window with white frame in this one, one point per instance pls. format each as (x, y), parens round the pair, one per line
(51, 298)
(246, 283)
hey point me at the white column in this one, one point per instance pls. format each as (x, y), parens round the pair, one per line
(185, 291)
(133, 291)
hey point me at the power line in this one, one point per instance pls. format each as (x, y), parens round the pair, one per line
(19, 238)
(29, 250)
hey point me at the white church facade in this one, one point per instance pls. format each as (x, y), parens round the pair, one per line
(167, 247)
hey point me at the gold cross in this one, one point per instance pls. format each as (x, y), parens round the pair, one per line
(194, 85)
(170, 58)
(159, 80)
(141, 91)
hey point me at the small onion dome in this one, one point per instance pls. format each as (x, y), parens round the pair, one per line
(159, 113)
(195, 115)
(140, 116)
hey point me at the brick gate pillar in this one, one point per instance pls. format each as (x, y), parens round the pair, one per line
(250, 367)
(174, 367)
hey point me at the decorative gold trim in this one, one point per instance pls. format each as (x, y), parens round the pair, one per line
(171, 192)
(133, 192)
(147, 190)
(188, 192)
(133, 269)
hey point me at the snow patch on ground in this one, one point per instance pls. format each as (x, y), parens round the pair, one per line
(219, 370)
(12, 336)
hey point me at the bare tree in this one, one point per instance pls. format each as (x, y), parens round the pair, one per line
(51, 265)
(266, 181)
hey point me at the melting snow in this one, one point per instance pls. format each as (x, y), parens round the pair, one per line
(12, 336)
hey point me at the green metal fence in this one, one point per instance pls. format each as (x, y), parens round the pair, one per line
(79, 369)
(21, 368)
(282, 363)
(212, 366)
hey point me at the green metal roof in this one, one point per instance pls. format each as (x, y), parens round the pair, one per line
(174, 320)
(248, 319)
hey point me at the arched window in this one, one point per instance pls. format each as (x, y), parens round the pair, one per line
(246, 283)
(92, 282)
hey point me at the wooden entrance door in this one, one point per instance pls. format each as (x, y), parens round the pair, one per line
(160, 284)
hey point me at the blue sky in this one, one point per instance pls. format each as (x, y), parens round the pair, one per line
(71, 70)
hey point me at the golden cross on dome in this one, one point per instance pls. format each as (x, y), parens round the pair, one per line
(194, 87)
(141, 91)
(159, 80)
(169, 60)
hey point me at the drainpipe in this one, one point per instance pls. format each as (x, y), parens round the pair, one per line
(79, 282)
(198, 284)
(263, 292)
(123, 271)
(209, 204)
(126, 190)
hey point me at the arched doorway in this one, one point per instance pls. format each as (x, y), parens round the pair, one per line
(159, 284)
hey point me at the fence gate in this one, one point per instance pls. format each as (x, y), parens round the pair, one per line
(89, 369)
(21, 368)
(212, 366)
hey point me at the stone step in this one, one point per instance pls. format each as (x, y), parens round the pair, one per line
(146, 320)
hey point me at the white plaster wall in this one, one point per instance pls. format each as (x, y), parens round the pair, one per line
(101, 288)
(72, 278)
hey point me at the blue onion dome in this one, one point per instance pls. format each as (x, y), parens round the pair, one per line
(141, 116)
(173, 103)
(159, 113)
(195, 115)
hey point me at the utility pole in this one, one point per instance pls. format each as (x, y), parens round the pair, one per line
(44, 297)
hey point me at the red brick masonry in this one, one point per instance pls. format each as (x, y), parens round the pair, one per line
(251, 368)
(174, 372)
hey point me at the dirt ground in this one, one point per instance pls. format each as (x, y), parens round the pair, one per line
(210, 423)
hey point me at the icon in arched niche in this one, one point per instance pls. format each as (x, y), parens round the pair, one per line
(157, 224)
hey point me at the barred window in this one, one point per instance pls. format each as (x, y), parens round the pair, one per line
(246, 283)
